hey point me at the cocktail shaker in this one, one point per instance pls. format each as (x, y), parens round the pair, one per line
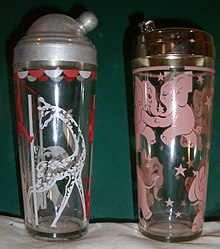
(55, 68)
(173, 72)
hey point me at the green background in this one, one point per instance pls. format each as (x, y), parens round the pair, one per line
(113, 186)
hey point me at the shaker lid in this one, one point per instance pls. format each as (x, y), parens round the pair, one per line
(58, 37)
(172, 41)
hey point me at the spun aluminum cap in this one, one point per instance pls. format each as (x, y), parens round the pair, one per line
(58, 37)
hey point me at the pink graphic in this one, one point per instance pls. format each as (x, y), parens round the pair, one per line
(183, 203)
(201, 107)
(160, 77)
(145, 109)
(150, 178)
(146, 69)
(200, 79)
(171, 104)
(197, 194)
(180, 170)
(178, 215)
(169, 202)
(172, 112)
(198, 97)
(178, 117)
(195, 68)
(167, 68)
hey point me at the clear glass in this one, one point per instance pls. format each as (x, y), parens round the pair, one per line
(173, 117)
(55, 114)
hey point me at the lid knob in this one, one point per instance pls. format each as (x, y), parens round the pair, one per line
(87, 21)
(146, 26)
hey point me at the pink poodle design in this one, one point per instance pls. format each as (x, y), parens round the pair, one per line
(150, 180)
(197, 194)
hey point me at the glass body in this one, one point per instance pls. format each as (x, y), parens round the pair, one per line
(173, 114)
(55, 103)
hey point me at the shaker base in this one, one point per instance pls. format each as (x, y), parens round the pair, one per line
(65, 230)
(169, 231)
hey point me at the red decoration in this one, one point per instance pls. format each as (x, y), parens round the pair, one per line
(36, 73)
(91, 121)
(71, 73)
(43, 78)
(22, 131)
(93, 75)
(87, 182)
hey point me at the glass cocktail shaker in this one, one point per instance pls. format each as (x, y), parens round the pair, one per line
(55, 68)
(173, 70)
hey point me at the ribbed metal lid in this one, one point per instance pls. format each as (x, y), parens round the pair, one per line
(172, 41)
(58, 37)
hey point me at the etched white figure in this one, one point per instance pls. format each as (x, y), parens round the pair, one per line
(56, 168)
(50, 153)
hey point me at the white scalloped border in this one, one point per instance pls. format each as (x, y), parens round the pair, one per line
(54, 74)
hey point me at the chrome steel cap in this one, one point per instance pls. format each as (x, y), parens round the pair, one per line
(172, 41)
(58, 37)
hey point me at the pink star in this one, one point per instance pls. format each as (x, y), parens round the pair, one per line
(160, 77)
(200, 79)
(160, 108)
(183, 203)
(180, 170)
(208, 102)
(178, 214)
(183, 158)
(169, 202)
(161, 148)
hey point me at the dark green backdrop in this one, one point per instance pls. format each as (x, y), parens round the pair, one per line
(113, 192)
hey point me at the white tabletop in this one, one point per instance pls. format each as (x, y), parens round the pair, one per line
(104, 236)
